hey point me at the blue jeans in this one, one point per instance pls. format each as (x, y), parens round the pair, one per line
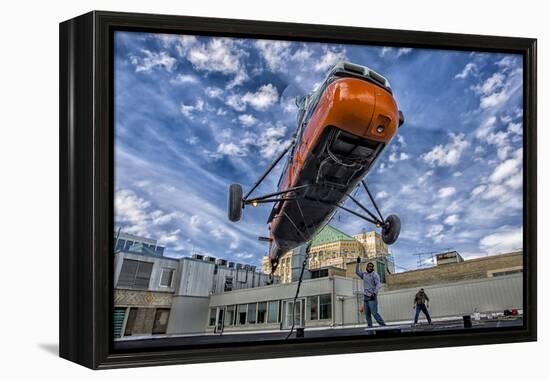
(421, 307)
(371, 308)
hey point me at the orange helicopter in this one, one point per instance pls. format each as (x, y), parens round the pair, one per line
(342, 129)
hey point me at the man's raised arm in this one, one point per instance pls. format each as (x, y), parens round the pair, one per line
(357, 271)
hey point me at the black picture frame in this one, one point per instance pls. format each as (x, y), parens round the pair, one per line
(87, 187)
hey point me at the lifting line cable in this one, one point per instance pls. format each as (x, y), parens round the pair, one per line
(302, 269)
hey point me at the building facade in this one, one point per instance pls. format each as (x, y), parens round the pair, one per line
(333, 248)
(157, 295)
(453, 269)
(336, 301)
(161, 295)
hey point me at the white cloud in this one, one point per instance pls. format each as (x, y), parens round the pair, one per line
(381, 195)
(169, 237)
(329, 59)
(213, 92)
(181, 42)
(403, 51)
(385, 50)
(499, 139)
(506, 169)
(235, 102)
(152, 60)
(502, 242)
(446, 192)
(516, 128)
(188, 110)
(131, 210)
(247, 120)
(494, 192)
(133, 213)
(301, 55)
(231, 149)
(434, 232)
(183, 78)
(486, 127)
(468, 69)
(219, 55)
(516, 181)
(159, 218)
(398, 52)
(394, 156)
(244, 256)
(433, 216)
(449, 154)
(401, 141)
(272, 141)
(454, 207)
(497, 89)
(451, 220)
(478, 190)
(266, 96)
(275, 53)
(425, 176)
(493, 83)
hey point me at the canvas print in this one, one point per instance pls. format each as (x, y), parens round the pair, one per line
(270, 190)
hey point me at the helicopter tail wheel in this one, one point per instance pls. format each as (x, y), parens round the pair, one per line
(391, 229)
(235, 206)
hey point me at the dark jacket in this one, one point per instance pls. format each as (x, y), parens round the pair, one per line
(420, 298)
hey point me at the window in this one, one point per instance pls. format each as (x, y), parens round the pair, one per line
(252, 312)
(161, 321)
(135, 274)
(241, 314)
(229, 315)
(212, 320)
(159, 250)
(228, 286)
(262, 312)
(166, 277)
(273, 312)
(120, 244)
(508, 272)
(128, 244)
(325, 306)
(313, 307)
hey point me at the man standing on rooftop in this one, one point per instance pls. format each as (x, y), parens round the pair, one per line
(421, 303)
(371, 284)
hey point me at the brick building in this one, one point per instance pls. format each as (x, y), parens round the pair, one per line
(483, 267)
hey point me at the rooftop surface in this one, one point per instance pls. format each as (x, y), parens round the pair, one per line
(395, 330)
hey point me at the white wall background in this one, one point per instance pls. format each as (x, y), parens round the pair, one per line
(29, 191)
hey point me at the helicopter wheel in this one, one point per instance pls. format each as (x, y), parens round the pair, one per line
(391, 229)
(235, 200)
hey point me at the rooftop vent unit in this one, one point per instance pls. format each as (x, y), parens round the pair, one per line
(197, 256)
(230, 264)
(253, 268)
(221, 262)
(209, 259)
(239, 266)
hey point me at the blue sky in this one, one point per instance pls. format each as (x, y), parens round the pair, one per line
(195, 114)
